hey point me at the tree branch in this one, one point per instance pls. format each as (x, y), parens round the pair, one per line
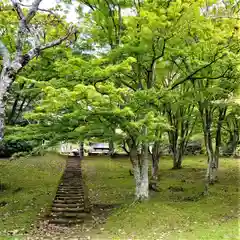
(196, 71)
(18, 10)
(33, 10)
(43, 10)
(35, 51)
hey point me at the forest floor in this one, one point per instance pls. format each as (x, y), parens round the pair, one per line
(177, 212)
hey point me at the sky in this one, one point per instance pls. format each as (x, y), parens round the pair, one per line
(71, 16)
(46, 4)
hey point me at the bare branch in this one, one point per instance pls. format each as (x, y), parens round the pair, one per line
(43, 10)
(32, 11)
(22, 27)
(18, 10)
(35, 51)
(4, 53)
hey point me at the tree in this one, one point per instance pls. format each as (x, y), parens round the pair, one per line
(33, 37)
(232, 126)
(144, 74)
(181, 114)
(214, 78)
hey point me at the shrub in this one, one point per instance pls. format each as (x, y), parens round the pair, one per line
(10, 147)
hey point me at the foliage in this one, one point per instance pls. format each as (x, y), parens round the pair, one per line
(8, 148)
(140, 71)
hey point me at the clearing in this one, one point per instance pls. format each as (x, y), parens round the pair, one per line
(177, 212)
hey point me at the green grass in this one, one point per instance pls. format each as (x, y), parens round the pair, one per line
(30, 187)
(167, 215)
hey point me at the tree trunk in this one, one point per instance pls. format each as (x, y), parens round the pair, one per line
(177, 159)
(111, 147)
(124, 147)
(179, 162)
(155, 166)
(81, 150)
(140, 171)
(144, 173)
(233, 143)
(211, 175)
(2, 117)
(155, 160)
(7, 77)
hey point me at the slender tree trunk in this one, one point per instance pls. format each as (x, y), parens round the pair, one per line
(235, 143)
(124, 147)
(155, 166)
(211, 175)
(179, 161)
(140, 171)
(177, 158)
(221, 116)
(155, 163)
(2, 117)
(144, 172)
(81, 150)
(111, 147)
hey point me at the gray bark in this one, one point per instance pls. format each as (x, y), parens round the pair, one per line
(140, 171)
(231, 148)
(155, 166)
(213, 156)
(144, 173)
(156, 152)
(6, 79)
(11, 67)
(177, 157)
(2, 118)
(235, 143)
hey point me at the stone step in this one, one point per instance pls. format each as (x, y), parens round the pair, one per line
(72, 185)
(71, 215)
(79, 195)
(79, 191)
(74, 210)
(76, 193)
(71, 201)
(63, 187)
(69, 198)
(65, 221)
(70, 189)
(68, 205)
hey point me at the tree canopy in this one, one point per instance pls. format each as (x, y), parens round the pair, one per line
(139, 72)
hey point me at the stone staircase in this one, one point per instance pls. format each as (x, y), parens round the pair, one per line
(69, 204)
